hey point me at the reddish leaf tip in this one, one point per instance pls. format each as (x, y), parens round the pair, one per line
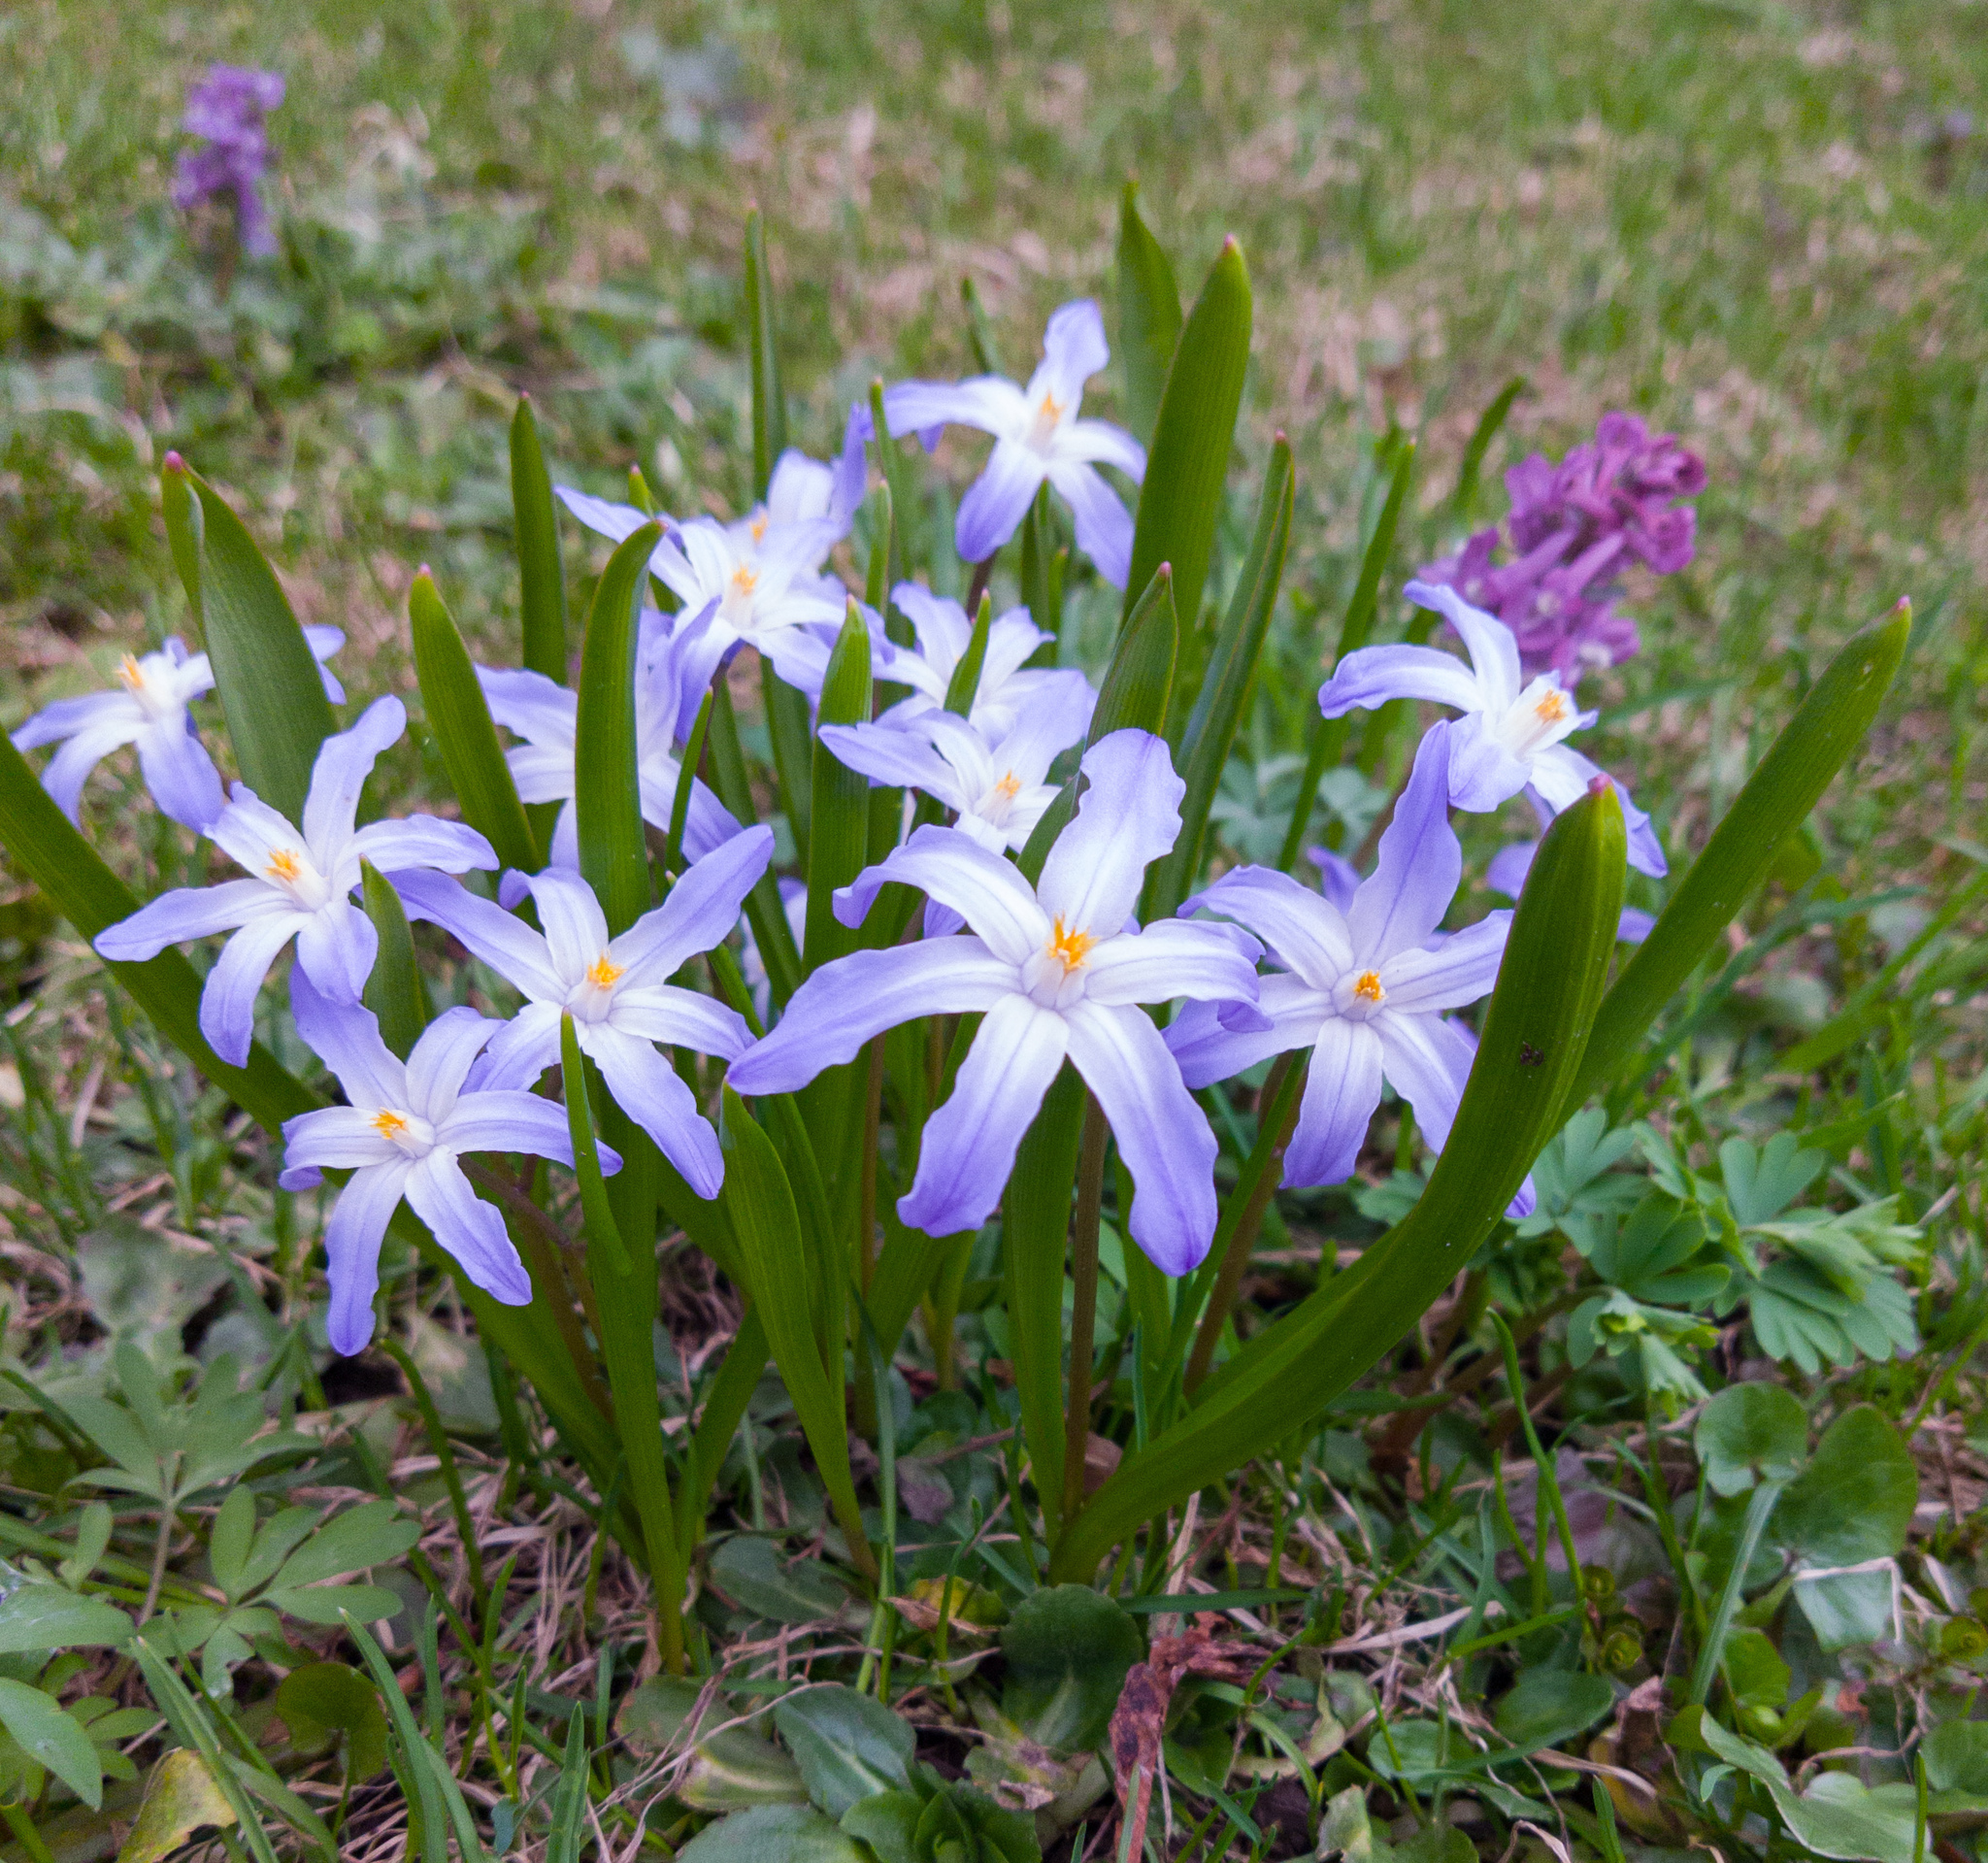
(1598, 785)
(174, 463)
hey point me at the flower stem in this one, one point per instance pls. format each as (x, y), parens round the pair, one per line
(1242, 1216)
(1084, 1318)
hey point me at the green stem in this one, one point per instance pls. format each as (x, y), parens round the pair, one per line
(1758, 1509)
(1084, 1318)
(451, 1478)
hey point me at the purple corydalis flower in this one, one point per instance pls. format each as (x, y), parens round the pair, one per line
(225, 110)
(299, 886)
(148, 706)
(616, 989)
(1575, 527)
(402, 1135)
(1509, 736)
(546, 716)
(1009, 685)
(1056, 975)
(1362, 988)
(1037, 436)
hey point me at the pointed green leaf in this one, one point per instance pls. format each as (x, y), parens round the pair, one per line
(788, 732)
(1181, 502)
(1479, 443)
(459, 719)
(1812, 747)
(841, 844)
(396, 992)
(769, 399)
(1148, 315)
(52, 1739)
(1328, 735)
(768, 1227)
(613, 855)
(603, 1232)
(542, 577)
(1134, 696)
(269, 685)
(1226, 682)
(686, 776)
(40, 1618)
(965, 684)
(765, 911)
(979, 332)
(1534, 1032)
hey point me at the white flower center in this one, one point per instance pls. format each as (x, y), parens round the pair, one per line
(735, 608)
(1054, 976)
(1000, 799)
(293, 871)
(155, 697)
(1543, 715)
(411, 1133)
(1358, 995)
(1048, 416)
(593, 998)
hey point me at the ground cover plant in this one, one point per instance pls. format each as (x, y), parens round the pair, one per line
(1049, 1356)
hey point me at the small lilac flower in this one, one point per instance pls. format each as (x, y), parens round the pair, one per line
(616, 989)
(1510, 737)
(1009, 685)
(149, 708)
(1056, 975)
(547, 717)
(225, 110)
(1037, 436)
(1507, 875)
(401, 1135)
(1575, 527)
(299, 886)
(1361, 988)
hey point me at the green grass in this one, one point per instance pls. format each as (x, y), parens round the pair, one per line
(1762, 226)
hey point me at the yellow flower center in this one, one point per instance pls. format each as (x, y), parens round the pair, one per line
(603, 974)
(1367, 986)
(759, 527)
(744, 579)
(1009, 787)
(1072, 947)
(285, 865)
(1552, 708)
(389, 1124)
(130, 672)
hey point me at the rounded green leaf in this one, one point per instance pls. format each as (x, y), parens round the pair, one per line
(1855, 1499)
(1067, 1649)
(773, 1833)
(848, 1746)
(1749, 1432)
(1546, 1706)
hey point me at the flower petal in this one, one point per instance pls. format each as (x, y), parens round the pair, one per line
(248, 831)
(508, 945)
(1561, 776)
(1304, 933)
(1103, 526)
(1340, 1094)
(1483, 774)
(891, 756)
(188, 913)
(1163, 1136)
(615, 522)
(337, 946)
(346, 1038)
(987, 892)
(335, 1138)
(1128, 818)
(844, 1004)
(531, 706)
(682, 1017)
(575, 927)
(179, 774)
(1207, 1048)
(344, 763)
(1419, 865)
(1339, 880)
(1173, 958)
(442, 1059)
(699, 912)
(1491, 644)
(1460, 970)
(86, 711)
(1509, 865)
(468, 1227)
(510, 1119)
(986, 401)
(1426, 1061)
(646, 1088)
(1074, 349)
(227, 999)
(521, 1051)
(68, 770)
(1098, 442)
(1369, 675)
(969, 1144)
(351, 1251)
(995, 503)
(422, 840)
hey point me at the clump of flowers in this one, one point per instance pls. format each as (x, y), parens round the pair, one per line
(225, 110)
(1572, 529)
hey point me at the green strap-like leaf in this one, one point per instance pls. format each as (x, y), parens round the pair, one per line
(540, 576)
(725, 1399)
(979, 332)
(1812, 747)
(1225, 684)
(1328, 735)
(1034, 1225)
(613, 856)
(765, 911)
(396, 992)
(603, 1232)
(769, 1231)
(788, 732)
(1148, 315)
(965, 684)
(1535, 1033)
(459, 718)
(269, 685)
(1134, 696)
(1479, 443)
(841, 843)
(769, 399)
(1181, 500)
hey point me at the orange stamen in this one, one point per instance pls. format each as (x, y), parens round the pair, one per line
(389, 1124)
(1073, 947)
(284, 865)
(1552, 708)
(1367, 986)
(130, 672)
(603, 974)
